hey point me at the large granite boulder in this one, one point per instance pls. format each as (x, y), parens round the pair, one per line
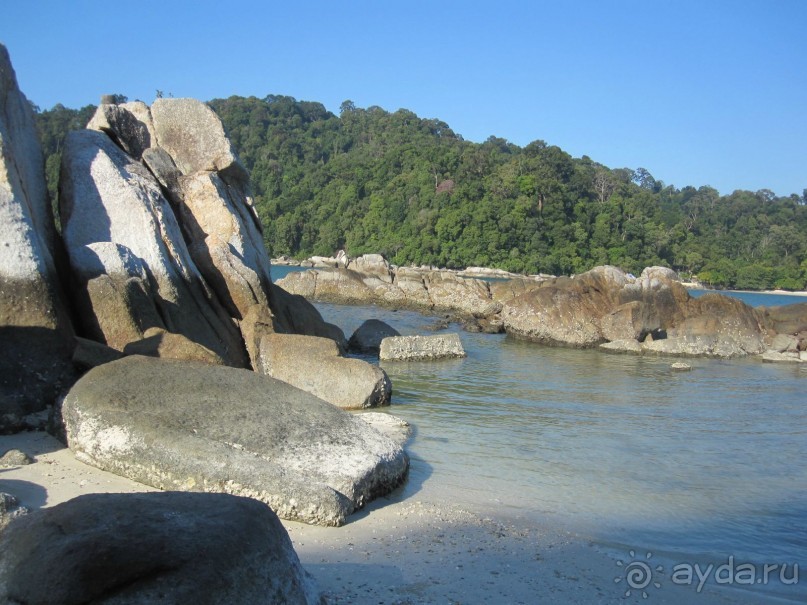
(566, 311)
(160, 547)
(315, 365)
(717, 326)
(194, 136)
(35, 327)
(128, 254)
(653, 311)
(179, 425)
(421, 348)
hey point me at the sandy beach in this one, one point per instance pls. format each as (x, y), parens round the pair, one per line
(403, 552)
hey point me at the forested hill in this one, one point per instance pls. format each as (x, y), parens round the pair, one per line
(370, 180)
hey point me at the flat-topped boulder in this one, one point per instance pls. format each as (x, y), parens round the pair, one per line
(159, 547)
(422, 348)
(316, 366)
(179, 425)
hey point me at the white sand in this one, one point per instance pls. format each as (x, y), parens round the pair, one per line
(402, 552)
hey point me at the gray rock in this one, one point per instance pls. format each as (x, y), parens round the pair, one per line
(397, 429)
(118, 227)
(417, 348)
(89, 354)
(14, 458)
(368, 336)
(627, 345)
(157, 342)
(194, 137)
(372, 264)
(162, 166)
(784, 342)
(779, 357)
(314, 365)
(128, 125)
(179, 425)
(10, 509)
(35, 328)
(154, 547)
(680, 366)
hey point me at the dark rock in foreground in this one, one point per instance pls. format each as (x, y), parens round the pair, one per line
(188, 426)
(147, 548)
(368, 336)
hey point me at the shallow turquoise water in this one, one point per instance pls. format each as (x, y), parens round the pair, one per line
(693, 466)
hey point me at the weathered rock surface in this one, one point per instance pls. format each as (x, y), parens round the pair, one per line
(128, 254)
(14, 458)
(652, 314)
(368, 336)
(397, 429)
(188, 426)
(157, 342)
(419, 348)
(314, 365)
(35, 328)
(128, 124)
(403, 287)
(155, 547)
(10, 509)
(193, 135)
(194, 163)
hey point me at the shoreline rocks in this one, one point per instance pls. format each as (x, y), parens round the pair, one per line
(179, 425)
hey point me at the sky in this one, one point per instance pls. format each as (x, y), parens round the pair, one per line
(703, 92)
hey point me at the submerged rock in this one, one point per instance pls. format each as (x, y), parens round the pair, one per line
(164, 547)
(188, 426)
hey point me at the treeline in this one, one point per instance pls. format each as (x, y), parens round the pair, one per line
(410, 188)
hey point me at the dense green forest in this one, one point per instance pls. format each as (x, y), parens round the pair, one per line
(369, 180)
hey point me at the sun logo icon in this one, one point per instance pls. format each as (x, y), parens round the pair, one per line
(638, 574)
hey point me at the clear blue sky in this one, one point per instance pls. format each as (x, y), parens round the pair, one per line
(702, 92)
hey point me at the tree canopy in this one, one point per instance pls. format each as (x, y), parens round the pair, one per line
(370, 180)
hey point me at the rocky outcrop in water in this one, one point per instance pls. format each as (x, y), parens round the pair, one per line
(152, 548)
(35, 326)
(421, 348)
(370, 280)
(368, 336)
(180, 425)
(652, 314)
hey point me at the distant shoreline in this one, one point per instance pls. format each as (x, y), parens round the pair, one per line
(500, 273)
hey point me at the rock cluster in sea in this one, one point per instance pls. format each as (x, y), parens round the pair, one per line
(650, 314)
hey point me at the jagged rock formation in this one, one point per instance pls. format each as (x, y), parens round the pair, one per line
(128, 254)
(180, 425)
(152, 548)
(194, 163)
(35, 327)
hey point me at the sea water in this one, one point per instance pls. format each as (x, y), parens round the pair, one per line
(692, 466)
